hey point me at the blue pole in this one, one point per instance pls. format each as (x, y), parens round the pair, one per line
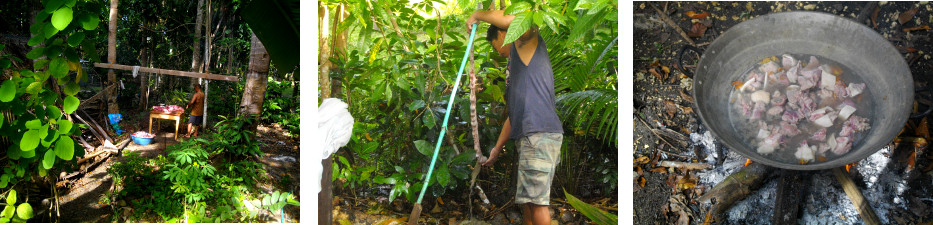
(450, 104)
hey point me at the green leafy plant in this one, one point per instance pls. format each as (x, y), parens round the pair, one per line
(13, 212)
(595, 214)
(189, 170)
(37, 98)
(234, 137)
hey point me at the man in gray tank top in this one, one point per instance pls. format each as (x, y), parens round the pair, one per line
(532, 116)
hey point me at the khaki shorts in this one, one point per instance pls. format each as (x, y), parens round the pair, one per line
(538, 155)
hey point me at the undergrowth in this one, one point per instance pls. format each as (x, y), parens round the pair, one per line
(195, 181)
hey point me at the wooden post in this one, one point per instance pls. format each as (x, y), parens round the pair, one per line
(325, 202)
(789, 193)
(204, 115)
(861, 204)
(112, 57)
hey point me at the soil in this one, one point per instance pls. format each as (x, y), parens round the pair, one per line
(663, 100)
(81, 201)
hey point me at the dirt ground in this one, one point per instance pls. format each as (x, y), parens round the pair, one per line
(663, 100)
(81, 202)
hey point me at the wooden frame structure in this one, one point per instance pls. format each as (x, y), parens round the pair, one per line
(111, 65)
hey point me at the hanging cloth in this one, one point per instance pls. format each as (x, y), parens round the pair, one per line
(135, 70)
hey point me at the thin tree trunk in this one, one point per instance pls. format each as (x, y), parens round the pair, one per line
(207, 39)
(112, 57)
(256, 79)
(196, 54)
(143, 80)
(325, 54)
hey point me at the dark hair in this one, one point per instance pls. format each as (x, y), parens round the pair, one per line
(198, 86)
(492, 33)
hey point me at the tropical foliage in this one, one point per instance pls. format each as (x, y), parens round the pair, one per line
(394, 63)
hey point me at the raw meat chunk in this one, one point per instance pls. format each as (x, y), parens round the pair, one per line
(819, 135)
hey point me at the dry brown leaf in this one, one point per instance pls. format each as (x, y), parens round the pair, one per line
(923, 130)
(903, 49)
(671, 108)
(907, 16)
(697, 30)
(911, 161)
(667, 71)
(659, 170)
(686, 97)
(642, 160)
(874, 17)
(655, 64)
(924, 27)
(688, 110)
(694, 15)
(655, 73)
(639, 171)
(642, 181)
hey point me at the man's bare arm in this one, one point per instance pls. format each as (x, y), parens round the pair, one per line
(495, 17)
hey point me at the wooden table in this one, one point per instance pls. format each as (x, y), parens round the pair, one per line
(158, 115)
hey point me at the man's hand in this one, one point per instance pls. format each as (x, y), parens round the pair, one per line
(493, 155)
(470, 21)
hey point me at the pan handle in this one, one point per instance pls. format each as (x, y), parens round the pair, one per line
(680, 58)
(928, 96)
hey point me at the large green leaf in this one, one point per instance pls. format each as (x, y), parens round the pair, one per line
(275, 23)
(75, 39)
(595, 214)
(48, 160)
(58, 67)
(8, 211)
(519, 25)
(517, 7)
(64, 126)
(65, 148)
(442, 174)
(7, 91)
(71, 104)
(35, 53)
(24, 211)
(424, 147)
(62, 17)
(11, 197)
(48, 30)
(30, 140)
(71, 88)
(88, 21)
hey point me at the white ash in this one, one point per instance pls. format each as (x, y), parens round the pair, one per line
(709, 144)
(733, 163)
(825, 202)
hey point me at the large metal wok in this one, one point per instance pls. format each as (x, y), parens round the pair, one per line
(863, 50)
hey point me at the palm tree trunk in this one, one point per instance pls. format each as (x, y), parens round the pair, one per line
(256, 79)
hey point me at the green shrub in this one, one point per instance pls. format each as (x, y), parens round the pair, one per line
(233, 136)
(189, 170)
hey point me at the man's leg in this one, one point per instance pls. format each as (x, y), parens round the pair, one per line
(540, 214)
(189, 130)
(196, 130)
(527, 217)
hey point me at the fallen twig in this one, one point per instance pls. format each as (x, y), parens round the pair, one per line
(735, 187)
(674, 25)
(662, 139)
(685, 165)
(861, 204)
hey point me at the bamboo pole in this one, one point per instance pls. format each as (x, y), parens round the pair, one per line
(169, 72)
(861, 204)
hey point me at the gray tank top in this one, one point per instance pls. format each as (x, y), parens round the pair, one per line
(530, 94)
